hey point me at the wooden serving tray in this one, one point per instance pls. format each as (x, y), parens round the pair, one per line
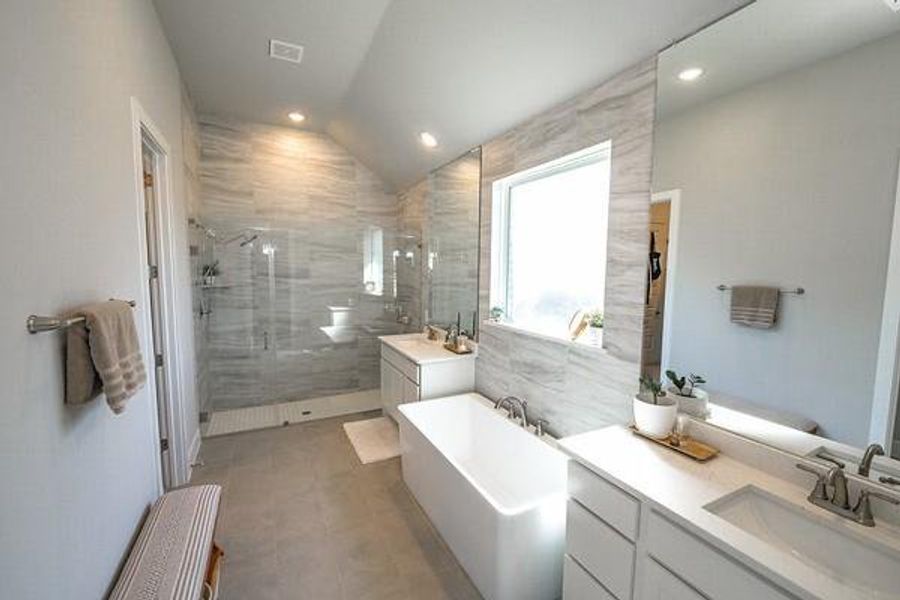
(689, 446)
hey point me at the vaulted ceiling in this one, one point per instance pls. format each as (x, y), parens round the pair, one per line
(375, 73)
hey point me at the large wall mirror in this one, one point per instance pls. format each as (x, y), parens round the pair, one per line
(775, 182)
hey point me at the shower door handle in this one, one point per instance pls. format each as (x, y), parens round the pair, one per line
(265, 340)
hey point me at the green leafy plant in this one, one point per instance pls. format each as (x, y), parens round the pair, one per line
(496, 313)
(596, 319)
(685, 385)
(653, 387)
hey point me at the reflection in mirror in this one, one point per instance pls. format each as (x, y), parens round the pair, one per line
(450, 235)
(776, 168)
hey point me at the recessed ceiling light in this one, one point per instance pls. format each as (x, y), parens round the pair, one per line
(691, 74)
(428, 140)
(296, 117)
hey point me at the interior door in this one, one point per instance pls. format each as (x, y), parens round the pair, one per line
(656, 294)
(152, 236)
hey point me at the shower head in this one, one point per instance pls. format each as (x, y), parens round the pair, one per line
(249, 240)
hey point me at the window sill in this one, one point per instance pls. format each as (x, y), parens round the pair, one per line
(581, 342)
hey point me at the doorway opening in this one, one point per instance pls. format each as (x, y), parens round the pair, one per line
(662, 238)
(158, 279)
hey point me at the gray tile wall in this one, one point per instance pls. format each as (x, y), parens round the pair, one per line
(577, 388)
(450, 232)
(199, 246)
(270, 333)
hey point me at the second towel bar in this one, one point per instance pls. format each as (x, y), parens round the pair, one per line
(799, 291)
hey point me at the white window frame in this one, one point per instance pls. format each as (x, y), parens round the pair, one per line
(501, 195)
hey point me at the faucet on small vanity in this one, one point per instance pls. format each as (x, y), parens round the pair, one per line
(839, 501)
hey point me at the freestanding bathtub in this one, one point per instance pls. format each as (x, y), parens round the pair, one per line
(496, 493)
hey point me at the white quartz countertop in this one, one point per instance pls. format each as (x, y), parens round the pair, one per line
(417, 348)
(681, 487)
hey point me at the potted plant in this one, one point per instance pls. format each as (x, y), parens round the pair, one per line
(691, 399)
(209, 274)
(595, 328)
(654, 412)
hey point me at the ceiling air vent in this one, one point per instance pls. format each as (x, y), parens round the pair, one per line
(285, 51)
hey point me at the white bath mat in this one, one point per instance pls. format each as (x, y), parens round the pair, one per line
(374, 439)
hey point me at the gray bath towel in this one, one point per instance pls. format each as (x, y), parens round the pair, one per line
(103, 353)
(754, 306)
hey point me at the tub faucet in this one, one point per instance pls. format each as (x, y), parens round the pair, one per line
(513, 405)
(866, 463)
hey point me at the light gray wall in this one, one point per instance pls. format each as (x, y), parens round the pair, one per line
(76, 480)
(789, 182)
(578, 388)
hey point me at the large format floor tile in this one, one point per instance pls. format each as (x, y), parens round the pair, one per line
(302, 518)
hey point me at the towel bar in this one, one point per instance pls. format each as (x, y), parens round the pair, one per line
(36, 324)
(799, 291)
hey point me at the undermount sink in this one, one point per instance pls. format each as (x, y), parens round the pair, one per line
(836, 550)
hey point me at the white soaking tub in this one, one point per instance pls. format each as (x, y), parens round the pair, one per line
(496, 493)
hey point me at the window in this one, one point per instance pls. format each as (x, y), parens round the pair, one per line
(549, 242)
(373, 261)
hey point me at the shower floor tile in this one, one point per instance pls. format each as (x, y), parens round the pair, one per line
(224, 422)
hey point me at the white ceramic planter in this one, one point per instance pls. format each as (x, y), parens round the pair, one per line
(696, 405)
(656, 420)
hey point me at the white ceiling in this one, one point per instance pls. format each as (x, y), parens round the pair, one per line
(377, 72)
(765, 39)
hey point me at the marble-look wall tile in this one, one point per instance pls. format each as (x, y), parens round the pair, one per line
(576, 388)
(308, 201)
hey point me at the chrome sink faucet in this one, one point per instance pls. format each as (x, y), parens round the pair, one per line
(865, 465)
(839, 500)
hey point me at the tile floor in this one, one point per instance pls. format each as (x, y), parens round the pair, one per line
(302, 518)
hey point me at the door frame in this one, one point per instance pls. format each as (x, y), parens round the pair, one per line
(887, 370)
(145, 131)
(673, 197)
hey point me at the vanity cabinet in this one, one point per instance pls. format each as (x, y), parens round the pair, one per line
(404, 379)
(618, 546)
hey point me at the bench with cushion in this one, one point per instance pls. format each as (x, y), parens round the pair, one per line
(174, 557)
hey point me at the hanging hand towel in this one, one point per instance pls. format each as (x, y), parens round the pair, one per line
(754, 306)
(104, 352)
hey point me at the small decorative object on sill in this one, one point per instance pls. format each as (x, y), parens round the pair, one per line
(691, 399)
(654, 412)
(685, 445)
(496, 314)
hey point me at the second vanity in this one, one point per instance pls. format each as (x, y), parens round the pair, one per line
(649, 524)
(415, 368)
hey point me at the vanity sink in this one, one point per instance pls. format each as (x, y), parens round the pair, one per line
(840, 551)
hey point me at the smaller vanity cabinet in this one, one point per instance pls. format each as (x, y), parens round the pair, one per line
(618, 547)
(403, 379)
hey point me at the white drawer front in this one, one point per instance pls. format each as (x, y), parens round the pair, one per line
(579, 585)
(409, 368)
(608, 502)
(660, 584)
(715, 575)
(603, 551)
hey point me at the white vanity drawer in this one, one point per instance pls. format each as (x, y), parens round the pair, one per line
(406, 366)
(608, 502)
(600, 549)
(579, 585)
(715, 575)
(660, 584)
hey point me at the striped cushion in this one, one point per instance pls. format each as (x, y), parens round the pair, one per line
(169, 558)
